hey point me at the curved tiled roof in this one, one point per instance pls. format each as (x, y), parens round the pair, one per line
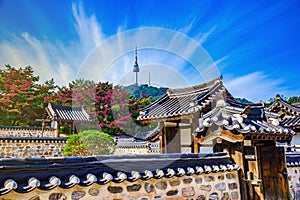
(284, 106)
(24, 175)
(245, 119)
(149, 135)
(291, 112)
(296, 104)
(184, 101)
(68, 113)
(292, 159)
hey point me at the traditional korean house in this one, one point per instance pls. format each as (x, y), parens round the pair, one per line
(61, 115)
(290, 113)
(207, 115)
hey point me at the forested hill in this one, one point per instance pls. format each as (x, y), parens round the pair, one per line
(243, 100)
(155, 93)
(146, 91)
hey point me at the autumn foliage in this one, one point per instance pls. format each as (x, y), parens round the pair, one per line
(23, 99)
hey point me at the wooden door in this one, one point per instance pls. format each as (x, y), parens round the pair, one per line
(273, 173)
(172, 140)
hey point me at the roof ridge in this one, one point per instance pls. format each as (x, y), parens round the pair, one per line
(281, 100)
(193, 89)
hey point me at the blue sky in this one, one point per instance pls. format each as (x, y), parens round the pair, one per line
(255, 45)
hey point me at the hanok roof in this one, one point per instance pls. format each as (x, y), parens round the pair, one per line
(296, 104)
(284, 107)
(242, 120)
(66, 113)
(292, 159)
(182, 102)
(149, 135)
(291, 113)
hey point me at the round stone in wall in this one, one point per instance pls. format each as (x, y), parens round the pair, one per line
(187, 180)
(77, 195)
(234, 195)
(200, 197)
(115, 189)
(134, 188)
(230, 176)
(93, 191)
(213, 196)
(149, 187)
(188, 192)
(35, 198)
(162, 185)
(221, 186)
(205, 187)
(225, 196)
(174, 182)
(198, 180)
(57, 196)
(221, 177)
(172, 193)
(144, 198)
(232, 186)
(209, 178)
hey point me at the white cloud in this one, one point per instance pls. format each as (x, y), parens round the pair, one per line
(202, 37)
(45, 58)
(89, 31)
(66, 61)
(255, 86)
(57, 60)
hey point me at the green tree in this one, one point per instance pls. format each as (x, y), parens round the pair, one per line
(293, 99)
(75, 147)
(89, 142)
(21, 98)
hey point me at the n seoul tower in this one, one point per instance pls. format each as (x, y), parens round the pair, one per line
(136, 68)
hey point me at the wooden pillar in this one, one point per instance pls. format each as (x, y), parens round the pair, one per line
(196, 149)
(161, 137)
(236, 152)
(57, 129)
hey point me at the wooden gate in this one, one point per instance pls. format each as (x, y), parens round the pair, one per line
(273, 173)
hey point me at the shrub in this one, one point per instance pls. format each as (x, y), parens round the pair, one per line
(89, 142)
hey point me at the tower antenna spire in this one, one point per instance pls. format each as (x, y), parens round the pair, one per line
(136, 68)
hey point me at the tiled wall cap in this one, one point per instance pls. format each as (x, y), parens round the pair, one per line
(190, 171)
(170, 172)
(207, 169)
(9, 185)
(121, 177)
(148, 174)
(53, 182)
(135, 176)
(32, 184)
(215, 168)
(106, 177)
(73, 180)
(199, 170)
(159, 173)
(90, 179)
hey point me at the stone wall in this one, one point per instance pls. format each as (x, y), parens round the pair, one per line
(31, 147)
(17, 131)
(132, 146)
(211, 186)
(293, 172)
(138, 177)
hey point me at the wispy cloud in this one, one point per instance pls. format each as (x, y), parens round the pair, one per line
(48, 60)
(255, 86)
(59, 60)
(87, 28)
(202, 37)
